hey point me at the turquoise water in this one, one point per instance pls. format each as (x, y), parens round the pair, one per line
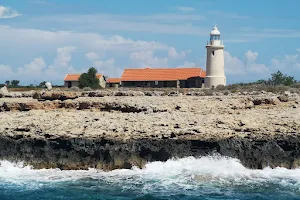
(187, 178)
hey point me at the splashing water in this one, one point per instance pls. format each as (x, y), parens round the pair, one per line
(187, 178)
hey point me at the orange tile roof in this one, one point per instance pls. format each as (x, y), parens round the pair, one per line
(113, 80)
(75, 77)
(161, 74)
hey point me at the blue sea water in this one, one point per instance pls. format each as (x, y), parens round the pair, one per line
(188, 178)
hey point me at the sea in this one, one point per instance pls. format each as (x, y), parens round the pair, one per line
(205, 178)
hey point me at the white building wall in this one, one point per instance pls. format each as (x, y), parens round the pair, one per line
(215, 73)
(102, 82)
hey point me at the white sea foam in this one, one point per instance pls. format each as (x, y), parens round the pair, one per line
(185, 173)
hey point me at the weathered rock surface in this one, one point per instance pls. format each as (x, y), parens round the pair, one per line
(108, 154)
(4, 92)
(55, 95)
(101, 104)
(119, 132)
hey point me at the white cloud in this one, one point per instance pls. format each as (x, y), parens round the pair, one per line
(92, 56)
(156, 23)
(235, 66)
(187, 64)
(37, 69)
(27, 39)
(185, 9)
(34, 68)
(107, 67)
(147, 58)
(287, 63)
(172, 53)
(61, 64)
(104, 64)
(64, 56)
(6, 12)
(272, 33)
(32, 41)
(6, 72)
(260, 69)
(251, 56)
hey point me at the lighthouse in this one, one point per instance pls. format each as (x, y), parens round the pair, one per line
(215, 74)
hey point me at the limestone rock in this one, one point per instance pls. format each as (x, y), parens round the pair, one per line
(48, 85)
(4, 91)
(129, 93)
(28, 94)
(123, 131)
(283, 98)
(96, 94)
(265, 100)
(287, 93)
(14, 95)
(154, 93)
(55, 95)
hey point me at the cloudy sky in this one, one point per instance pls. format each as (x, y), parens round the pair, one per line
(45, 39)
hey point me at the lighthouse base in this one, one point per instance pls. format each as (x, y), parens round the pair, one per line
(214, 81)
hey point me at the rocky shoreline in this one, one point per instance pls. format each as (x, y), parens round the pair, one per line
(120, 131)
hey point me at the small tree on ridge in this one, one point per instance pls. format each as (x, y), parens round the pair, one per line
(89, 79)
(15, 83)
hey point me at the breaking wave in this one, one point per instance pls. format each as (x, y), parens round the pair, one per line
(176, 178)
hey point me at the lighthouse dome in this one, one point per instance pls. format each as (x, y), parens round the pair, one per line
(215, 31)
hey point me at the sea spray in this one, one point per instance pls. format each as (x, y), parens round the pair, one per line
(187, 177)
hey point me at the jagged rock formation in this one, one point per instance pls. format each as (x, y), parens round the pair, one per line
(108, 154)
(55, 95)
(118, 132)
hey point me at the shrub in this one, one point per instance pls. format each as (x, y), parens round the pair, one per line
(15, 83)
(296, 85)
(221, 87)
(279, 79)
(87, 89)
(42, 84)
(74, 88)
(208, 92)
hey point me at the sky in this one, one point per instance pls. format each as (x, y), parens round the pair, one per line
(42, 40)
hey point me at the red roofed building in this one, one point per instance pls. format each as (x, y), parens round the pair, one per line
(163, 77)
(113, 82)
(72, 80)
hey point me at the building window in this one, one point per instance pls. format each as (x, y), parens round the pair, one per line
(213, 53)
(215, 37)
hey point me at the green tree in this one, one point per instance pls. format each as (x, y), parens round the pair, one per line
(15, 83)
(289, 80)
(261, 81)
(89, 79)
(7, 83)
(279, 79)
(42, 84)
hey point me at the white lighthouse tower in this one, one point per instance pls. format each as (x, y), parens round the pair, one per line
(215, 74)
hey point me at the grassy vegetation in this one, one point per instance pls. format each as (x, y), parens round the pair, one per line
(234, 88)
(29, 88)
